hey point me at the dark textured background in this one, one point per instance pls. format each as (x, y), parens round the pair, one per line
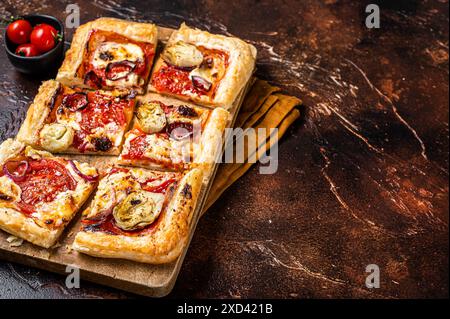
(363, 177)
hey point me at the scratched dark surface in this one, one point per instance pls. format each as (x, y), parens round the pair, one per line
(362, 179)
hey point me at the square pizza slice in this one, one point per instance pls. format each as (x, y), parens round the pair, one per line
(62, 119)
(110, 53)
(140, 215)
(40, 193)
(202, 67)
(169, 134)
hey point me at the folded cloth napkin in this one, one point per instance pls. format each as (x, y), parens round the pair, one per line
(264, 107)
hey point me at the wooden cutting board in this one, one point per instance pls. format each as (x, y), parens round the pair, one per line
(143, 279)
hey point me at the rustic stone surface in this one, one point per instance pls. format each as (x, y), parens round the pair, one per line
(362, 179)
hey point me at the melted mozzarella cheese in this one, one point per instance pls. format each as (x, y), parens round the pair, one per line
(35, 154)
(158, 199)
(210, 74)
(57, 211)
(110, 52)
(168, 150)
(112, 189)
(157, 148)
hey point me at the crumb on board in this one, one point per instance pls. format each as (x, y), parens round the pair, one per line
(69, 249)
(14, 241)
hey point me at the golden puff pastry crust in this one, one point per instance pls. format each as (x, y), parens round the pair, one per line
(38, 113)
(167, 239)
(41, 115)
(45, 224)
(139, 32)
(241, 64)
(204, 147)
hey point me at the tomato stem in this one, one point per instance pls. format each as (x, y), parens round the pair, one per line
(6, 21)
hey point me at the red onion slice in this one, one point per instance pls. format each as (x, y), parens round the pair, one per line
(15, 177)
(179, 130)
(83, 176)
(76, 101)
(182, 68)
(91, 79)
(201, 83)
(119, 70)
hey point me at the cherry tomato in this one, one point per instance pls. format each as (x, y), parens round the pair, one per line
(19, 31)
(43, 37)
(51, 28)
(27, 50)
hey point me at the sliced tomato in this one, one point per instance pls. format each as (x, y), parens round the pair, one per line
(171, 79)
(100, 111)
(137, 148)
(103, 110)
(44, 181)
(161, 188)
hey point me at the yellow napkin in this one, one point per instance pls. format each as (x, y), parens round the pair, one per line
(263, 107)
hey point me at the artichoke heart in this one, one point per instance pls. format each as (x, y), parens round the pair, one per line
(138, 210)
(151, 117)
(56, 137)
(183, 55)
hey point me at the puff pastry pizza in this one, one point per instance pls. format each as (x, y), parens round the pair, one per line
(171, 135)
(110, 53)
(202, 67)
(140, 215)
(69, 120)
(39, 193)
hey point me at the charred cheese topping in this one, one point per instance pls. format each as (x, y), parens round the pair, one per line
(183, 114)
(157, 147)
(111, 52)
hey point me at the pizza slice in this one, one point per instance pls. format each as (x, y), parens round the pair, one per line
(70, 120)
(110, 53)
(171, 135)
(39, 193)
(202, 67)
(140, 215)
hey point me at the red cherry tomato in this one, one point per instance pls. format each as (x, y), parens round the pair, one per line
(19, 31)
(43, 37)
(27, 50)
(51, 28)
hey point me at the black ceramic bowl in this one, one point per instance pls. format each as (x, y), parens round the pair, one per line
(43, 63)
